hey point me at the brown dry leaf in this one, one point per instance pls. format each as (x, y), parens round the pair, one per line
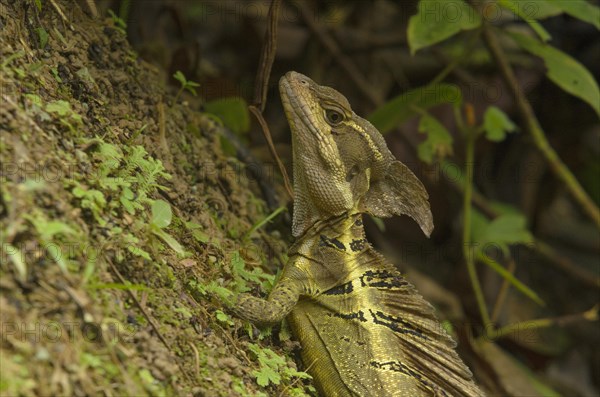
(187, 263)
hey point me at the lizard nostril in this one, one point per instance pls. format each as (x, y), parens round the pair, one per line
(303, 82)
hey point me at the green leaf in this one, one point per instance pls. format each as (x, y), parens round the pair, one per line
(161, 214)
(439, 141)
(35, 99)
(223, 294)
(171, 242)
(540, 9)
(233, 111)
(270, 365)
(180, 77)
(265, 220)
(43, 36)
(139, 252)
(52, 228)
(55, 253)
(504, 230)
(242, 275)
(563, 70)
(198, 234)
(48, 229)
(266, 375)
(436, 20)
(223, 318)
(409, 104)
(60, 107)
(510, 229)
(580, 9)
(496, 124)
(526, 11)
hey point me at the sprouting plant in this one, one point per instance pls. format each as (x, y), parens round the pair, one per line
(185, 85)
(119, 23)
(274, 368)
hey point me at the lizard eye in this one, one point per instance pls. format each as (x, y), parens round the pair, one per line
(333, 117)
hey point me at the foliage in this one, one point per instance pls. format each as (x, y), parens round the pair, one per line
(118, 22)
(274, 368)
(437, 20)
(404, 106)
(563, 70)
(441, 23)
(161, 218)
(438, 143)
(186, 85)
(496, 124)
(232, 111)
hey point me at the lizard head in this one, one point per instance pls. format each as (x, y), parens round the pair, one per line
(341, 162)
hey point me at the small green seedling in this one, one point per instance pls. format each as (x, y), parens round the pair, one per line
(185, 85)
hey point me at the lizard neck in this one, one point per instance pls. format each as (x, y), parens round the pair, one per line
(344, 233)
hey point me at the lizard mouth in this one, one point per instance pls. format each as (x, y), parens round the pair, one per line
(298, 102)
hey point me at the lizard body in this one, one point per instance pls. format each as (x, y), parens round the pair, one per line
(363, 328)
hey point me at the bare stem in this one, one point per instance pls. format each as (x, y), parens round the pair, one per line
(588, 315)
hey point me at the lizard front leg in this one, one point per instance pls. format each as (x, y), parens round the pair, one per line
(280, 302)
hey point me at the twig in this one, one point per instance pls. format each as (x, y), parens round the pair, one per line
(62, 14)
(345, 62)
(267, 134)
(588, 315)
(532, 124)
(267, 57)
(92, 7)
(260, 88)
(196, 359)
(143, 310)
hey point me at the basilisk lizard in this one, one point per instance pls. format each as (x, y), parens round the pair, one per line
(363, 328)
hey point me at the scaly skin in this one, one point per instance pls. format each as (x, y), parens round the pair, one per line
(364, 329)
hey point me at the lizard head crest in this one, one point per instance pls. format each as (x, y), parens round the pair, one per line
(341, 162)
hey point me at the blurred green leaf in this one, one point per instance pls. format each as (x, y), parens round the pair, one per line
(161, 214)
(223, 318)
(580, 9)
(171, 242)
(438, 143)
(526, 11)
(233, 111)
(436, 20)
(404, 106)
(563, 70)
(43, 36)
(196, 231)
(506, 229)
(186, 84)
(496, 124)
